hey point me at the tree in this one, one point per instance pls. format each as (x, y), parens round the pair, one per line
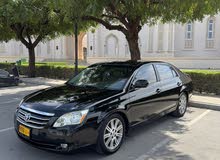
(129, 16)
(31, 22)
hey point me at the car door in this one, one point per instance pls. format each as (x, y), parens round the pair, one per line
(143, 102)
(170, 85)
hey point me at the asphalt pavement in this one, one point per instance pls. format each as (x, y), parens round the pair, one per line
(195, 136)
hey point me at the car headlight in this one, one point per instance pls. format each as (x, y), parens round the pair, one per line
(72, 118)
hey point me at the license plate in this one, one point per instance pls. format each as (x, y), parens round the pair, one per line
(24, 130)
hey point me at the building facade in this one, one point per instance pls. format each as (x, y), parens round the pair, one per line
(190, 45)
(60, 49)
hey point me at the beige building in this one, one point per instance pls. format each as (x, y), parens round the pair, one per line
(191, 45)
(60, 49)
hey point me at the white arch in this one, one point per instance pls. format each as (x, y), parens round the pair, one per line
(111, 45)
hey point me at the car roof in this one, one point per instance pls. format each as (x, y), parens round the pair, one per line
(134, 64)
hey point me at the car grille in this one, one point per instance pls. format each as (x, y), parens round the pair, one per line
(32, 118)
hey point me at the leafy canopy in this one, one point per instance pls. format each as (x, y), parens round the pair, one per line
(124, 12)
(30, 19)
(73, 12)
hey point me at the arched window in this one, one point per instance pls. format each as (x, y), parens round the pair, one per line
(111, 45)
(210, 34)
(210, 43)
(189, 35)
(189, 30)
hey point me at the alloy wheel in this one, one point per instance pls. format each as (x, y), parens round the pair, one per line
(113, 134)
(182, 104)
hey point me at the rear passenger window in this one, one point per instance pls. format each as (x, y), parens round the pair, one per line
(146, 73)
(174, 72)
(164, 71)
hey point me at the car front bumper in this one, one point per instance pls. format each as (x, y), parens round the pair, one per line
(60, 139)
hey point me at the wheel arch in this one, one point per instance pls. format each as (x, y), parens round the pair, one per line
(122, 114)
(184, 90)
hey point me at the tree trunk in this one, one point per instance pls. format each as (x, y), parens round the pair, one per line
(32, 71)
(132, 38)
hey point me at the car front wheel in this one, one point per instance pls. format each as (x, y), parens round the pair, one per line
(111, 134)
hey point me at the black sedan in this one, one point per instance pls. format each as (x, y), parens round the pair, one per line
(99, 105)
(7, 79)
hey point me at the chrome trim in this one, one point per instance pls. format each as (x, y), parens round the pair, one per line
(38, 118)
(28, 125)
(35, 122)
(37, 112)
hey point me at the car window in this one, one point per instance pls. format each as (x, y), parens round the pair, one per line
(174, 72)
(164, 71)
(3, 73)
(146, 73)
(112, 77)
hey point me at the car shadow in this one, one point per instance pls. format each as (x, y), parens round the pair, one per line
(142, 140)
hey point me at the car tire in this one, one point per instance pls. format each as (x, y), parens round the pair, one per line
(111, 134)
(181, 106)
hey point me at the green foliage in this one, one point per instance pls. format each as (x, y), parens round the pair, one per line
(30, 18)
(54, 64)
(73, 11)
(208, 72)
(207, 81)
(145, 11)
(48, 71)
(55, 72)
(31, 22)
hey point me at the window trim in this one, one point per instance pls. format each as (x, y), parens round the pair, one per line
(177, 75)
(208, 29)
(187, 31)
(165, 64)
(136, 72)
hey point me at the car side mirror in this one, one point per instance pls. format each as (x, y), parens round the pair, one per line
(141, 84)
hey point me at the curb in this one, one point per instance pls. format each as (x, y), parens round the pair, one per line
(195, 104)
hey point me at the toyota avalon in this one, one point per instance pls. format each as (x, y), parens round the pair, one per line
(100, 104)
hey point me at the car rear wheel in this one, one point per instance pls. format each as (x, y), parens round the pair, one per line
(181, 106)
(111, 134)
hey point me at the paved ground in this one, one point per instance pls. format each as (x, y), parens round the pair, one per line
(196, 136)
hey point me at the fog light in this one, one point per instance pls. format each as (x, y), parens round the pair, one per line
(64, 146)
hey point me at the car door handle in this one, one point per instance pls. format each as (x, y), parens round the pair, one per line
(158, 91)
(179, 84)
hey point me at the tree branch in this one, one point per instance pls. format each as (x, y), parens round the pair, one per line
(19, 33)
(39, 38)
(106, 24)
(29, 37)
(109, 16)
(119, 15)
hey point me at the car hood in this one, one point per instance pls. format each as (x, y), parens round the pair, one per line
(65, 98)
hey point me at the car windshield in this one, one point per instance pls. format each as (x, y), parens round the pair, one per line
(110, 77)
